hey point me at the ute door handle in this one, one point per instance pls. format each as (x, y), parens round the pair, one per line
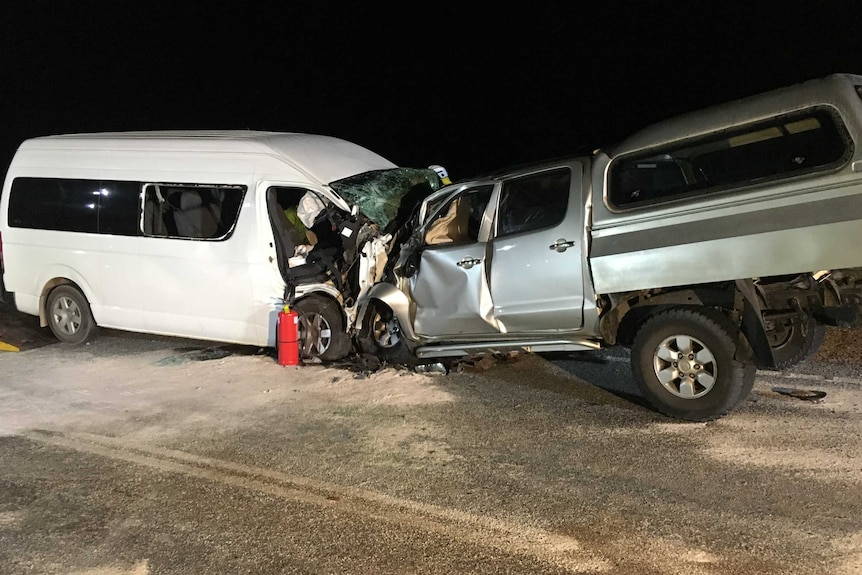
(561, 245)
(468, 263)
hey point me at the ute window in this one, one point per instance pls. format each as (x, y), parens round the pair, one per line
(795, 144)
(535, 202)
(459, 220)
(191, 211)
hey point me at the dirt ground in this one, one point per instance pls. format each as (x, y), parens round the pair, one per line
(183, 459)
(841, 345)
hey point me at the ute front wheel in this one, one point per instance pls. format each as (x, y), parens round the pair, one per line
(381, 336)
(683, 362)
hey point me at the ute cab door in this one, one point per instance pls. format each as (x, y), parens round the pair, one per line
(449, 286)
(536, 254)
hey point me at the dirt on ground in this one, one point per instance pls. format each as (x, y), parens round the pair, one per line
(151, 455)
(842, 345)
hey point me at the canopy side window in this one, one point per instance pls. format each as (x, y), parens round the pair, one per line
(800, 143)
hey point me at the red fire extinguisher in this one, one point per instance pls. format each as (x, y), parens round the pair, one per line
(288, 336)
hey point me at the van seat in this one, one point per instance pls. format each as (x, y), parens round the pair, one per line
(193, 219)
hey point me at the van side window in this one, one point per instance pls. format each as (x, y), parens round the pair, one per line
(800, 143)
(535, 202)
(191, 211)
(56, 204)
(119, 206)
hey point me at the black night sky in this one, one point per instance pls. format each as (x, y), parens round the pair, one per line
(474, 90)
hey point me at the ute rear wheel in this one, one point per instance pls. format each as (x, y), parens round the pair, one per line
(69, 315)
(796, 342)
(683, 362)
(321, 329)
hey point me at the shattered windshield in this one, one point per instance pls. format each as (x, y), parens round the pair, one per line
(379, 193)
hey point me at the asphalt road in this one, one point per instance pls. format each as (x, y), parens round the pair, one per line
(137, 454)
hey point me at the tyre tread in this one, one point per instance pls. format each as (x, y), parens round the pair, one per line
(743, 373)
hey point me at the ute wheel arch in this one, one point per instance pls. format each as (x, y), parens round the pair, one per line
(623, 321)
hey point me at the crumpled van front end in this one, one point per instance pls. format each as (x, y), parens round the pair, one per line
(333, 249)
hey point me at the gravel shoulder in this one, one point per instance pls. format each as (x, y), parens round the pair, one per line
(139, 454)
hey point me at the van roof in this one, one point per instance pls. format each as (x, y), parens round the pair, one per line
(323, 158)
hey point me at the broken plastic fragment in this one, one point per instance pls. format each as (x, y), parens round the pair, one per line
(804, 394)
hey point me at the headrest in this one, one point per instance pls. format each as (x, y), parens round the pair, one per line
(190, 201)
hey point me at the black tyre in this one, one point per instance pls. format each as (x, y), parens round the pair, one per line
(796, 342)
(69, 315)
(321, 329)
(683, 362)
(381, 336)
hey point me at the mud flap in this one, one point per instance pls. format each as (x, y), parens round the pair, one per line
(752, 326)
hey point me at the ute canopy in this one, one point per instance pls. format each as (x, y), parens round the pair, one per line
(378, 194)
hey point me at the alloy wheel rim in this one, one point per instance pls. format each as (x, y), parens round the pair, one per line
(315, 334)
(386, 331)
(685, 366)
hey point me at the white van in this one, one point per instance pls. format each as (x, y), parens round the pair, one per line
(186, 233)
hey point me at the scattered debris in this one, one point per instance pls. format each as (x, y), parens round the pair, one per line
(206, 354)
(812, 395)
(483, 362)
(436, 368)
(359, 363)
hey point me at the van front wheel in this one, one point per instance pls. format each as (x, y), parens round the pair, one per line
(69, 315)
(683, 362)
(321, 329)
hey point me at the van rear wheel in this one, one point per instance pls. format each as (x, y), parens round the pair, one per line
(321, 329)
(69, 315)
(683, 362)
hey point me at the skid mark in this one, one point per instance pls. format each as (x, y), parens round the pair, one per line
(560, 550)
